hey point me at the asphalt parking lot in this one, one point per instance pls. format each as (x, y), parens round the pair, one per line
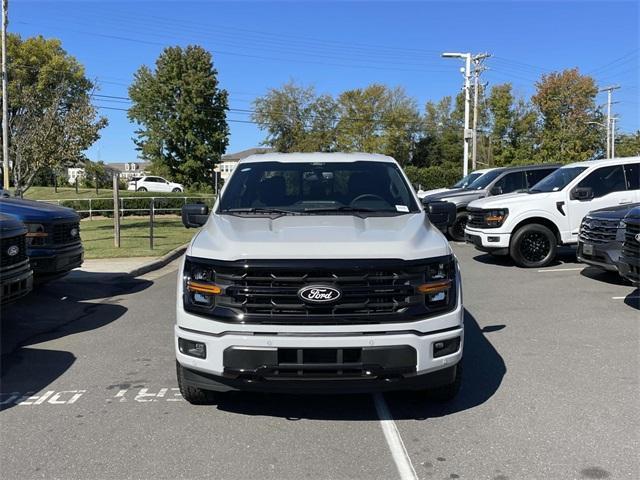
(550, 390)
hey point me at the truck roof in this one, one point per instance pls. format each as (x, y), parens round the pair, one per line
(317, 157)
(604, 162)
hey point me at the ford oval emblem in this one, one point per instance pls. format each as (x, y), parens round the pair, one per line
(13, 250)
(73, 232)
(319, 294)
(637, 237)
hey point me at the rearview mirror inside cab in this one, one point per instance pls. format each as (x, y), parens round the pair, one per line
(195, 215)
(582, 193)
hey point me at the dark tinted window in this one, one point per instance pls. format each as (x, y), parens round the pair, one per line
(484, 180)
(632, 173)
(511, 182)
(310, 187)
(605, 180)
(534, 176)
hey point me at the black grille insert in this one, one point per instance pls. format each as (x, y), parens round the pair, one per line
(631, 246)
(598, 231)
(372, 291)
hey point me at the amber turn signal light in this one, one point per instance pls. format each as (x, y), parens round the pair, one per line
(206, 288)
(434, 287)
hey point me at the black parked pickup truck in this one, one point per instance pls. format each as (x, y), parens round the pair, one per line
(601, 236)
(629, 263)
(53, 236)
(16, 277)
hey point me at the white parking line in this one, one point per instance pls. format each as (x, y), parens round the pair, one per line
(394, 440)
(560, 270)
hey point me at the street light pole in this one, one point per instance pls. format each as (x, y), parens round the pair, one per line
(613, 137)
(5, 102)
(477, 70)
(609, 91)
(467, 99)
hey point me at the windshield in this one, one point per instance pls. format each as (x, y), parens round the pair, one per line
(484, 180)
(318, 188)
(463, 182)
(557, 180)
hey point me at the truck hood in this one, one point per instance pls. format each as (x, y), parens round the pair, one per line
(408, 237)
(457, 196)
(507, 200)
(31, 211)
(617, 212)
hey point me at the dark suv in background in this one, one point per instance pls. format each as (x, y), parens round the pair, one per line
(496, 182)
(629, 263)
(601, 236)
(16, 277)
(53, 236)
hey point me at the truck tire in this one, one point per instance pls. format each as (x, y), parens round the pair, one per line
(446, 393)
(456, 231)
(193, 395)
(533, 246)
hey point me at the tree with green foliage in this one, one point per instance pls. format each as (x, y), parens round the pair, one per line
(566, 103)
(181, 112)
(514, 127)
(378, 119)
(296, 119)
(51, 118)
(628, 144)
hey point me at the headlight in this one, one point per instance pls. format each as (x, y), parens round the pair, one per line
(199, 286)
(36, 234)
(495, 218)
(439, 288)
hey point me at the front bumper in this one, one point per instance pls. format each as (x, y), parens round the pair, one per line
(55, 261)
(629, 268)
(219, 371)
(16, 281)
(488, 240)
(604, 255)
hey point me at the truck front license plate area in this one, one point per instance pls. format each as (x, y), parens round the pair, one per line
(358, 362)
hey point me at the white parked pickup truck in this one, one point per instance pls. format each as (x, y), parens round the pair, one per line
(317, 272)
(530, 226)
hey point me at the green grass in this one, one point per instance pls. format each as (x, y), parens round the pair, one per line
(97, 237)
(48, 193)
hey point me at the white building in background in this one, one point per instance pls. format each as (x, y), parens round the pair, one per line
(230, 160)
(74, 174)
(127, 171)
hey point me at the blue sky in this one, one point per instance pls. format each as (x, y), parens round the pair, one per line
(339, 45)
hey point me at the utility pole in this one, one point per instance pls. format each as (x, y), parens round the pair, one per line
(609, 91)
(467, 133)
(477, 70)
(613, 137)
(5, 102)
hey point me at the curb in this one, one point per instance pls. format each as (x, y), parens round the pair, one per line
(160, 262)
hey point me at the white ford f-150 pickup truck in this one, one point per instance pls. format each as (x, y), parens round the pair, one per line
(530, 226)
(318, 272)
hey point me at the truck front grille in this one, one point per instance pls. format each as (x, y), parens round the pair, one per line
(598, 231)
(631, 246)
(62, 233)
(13, 243)
(372, 291)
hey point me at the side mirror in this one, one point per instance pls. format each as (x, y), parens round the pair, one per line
(582, 193)
(195, 215)
(496, 191)
(441, 214)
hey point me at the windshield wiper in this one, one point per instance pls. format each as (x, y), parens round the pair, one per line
(347, 209)
(267, 210)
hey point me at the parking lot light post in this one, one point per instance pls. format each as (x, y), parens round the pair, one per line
(467, 100)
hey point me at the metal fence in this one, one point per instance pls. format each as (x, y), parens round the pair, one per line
(91, 207)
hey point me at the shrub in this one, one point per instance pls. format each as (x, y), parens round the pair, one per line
(434, 177)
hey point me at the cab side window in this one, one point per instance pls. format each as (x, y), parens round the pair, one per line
(534, 176)
(511, 182)
(605, 180)
(632, 172)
